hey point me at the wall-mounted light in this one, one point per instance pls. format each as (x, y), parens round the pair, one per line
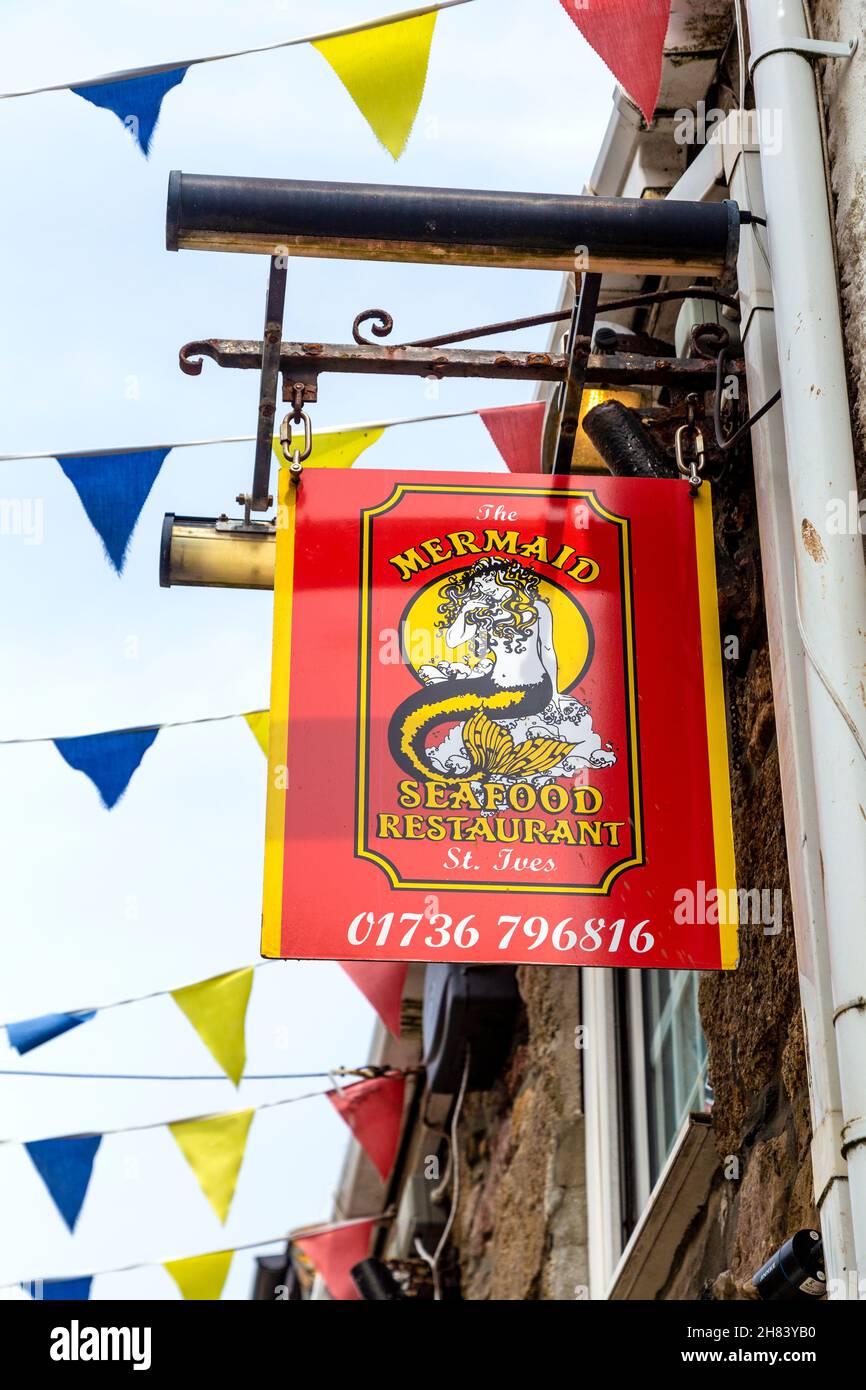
(586, 458)
(216, 553)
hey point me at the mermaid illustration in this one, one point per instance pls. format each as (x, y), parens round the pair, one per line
(509, 721)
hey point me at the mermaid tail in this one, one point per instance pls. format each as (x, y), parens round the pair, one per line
(494, 752)
(478, 703)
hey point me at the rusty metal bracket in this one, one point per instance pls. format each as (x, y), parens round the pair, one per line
(382, 323)
(580, 333)
(306, 362)
(259, 499)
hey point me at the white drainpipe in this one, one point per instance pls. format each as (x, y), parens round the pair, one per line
(830, 574)
(829, 1169)
(729, 164)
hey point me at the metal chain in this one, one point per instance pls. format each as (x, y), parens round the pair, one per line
(690, 468)
(292, 453)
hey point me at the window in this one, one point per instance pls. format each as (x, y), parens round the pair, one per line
(675, 1052)
(645, 1071)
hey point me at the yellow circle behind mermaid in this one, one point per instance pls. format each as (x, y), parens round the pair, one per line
(430, 636)
(497, 647)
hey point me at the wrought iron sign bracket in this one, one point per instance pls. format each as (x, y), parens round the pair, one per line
(260, 499)
(301, 365)
(304, 363)
(571, 392)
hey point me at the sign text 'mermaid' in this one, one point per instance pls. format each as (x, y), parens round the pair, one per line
(437, 550)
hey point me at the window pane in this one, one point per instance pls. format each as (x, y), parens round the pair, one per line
(676, 1053)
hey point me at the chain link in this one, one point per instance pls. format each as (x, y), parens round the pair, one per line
(690, 468)
(291, 452)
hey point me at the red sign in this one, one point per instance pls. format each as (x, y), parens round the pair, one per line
(497, 723)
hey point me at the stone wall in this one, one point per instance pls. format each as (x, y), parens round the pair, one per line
(521, 1222)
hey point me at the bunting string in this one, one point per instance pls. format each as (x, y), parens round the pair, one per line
(382, 64)
(217, 1016)
(126, 74)
(135, 729)
(214, 1145)
(111, 757)
(91, 1010)
(393, 1073)
(325, 430)
(216, 1008)
(113, 485)
(323, 1228)
(210, 1076)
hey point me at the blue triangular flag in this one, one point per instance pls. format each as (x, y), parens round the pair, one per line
(109, 760)
(32, 1032)
(67, 1290)
(65, 1165)
(112, 489)
(135, 100)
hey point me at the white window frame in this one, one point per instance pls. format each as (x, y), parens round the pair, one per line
(602, 1101)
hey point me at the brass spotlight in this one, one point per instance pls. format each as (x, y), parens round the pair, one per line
(217, 553)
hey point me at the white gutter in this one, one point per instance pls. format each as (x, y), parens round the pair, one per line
(830, 579)
(618, 149)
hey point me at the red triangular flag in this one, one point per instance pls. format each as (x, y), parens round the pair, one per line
(335, 1252)
(382, 985)
(373, 1110)
(628, 35)
(516, 431)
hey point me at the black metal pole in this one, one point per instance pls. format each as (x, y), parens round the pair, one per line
(259, 499)
(450, 226)
(582, 324)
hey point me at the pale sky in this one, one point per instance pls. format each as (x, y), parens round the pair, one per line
(166, 889)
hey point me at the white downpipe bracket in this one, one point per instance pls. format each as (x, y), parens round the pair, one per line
(830, 578)
(807, 48)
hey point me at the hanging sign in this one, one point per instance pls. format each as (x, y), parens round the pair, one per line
(497, 723)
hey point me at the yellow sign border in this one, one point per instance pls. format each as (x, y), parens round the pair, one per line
(717, 732)
(275, 815)
(714, 704)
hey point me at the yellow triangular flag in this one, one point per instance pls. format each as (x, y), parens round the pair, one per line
(336, 450)
(217, 1010)
(384, 71)
(260, 723)
(203, 1276)
(214, 1150)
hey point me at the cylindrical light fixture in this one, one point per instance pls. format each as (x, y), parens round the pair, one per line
(216, 554)
(451, 226)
